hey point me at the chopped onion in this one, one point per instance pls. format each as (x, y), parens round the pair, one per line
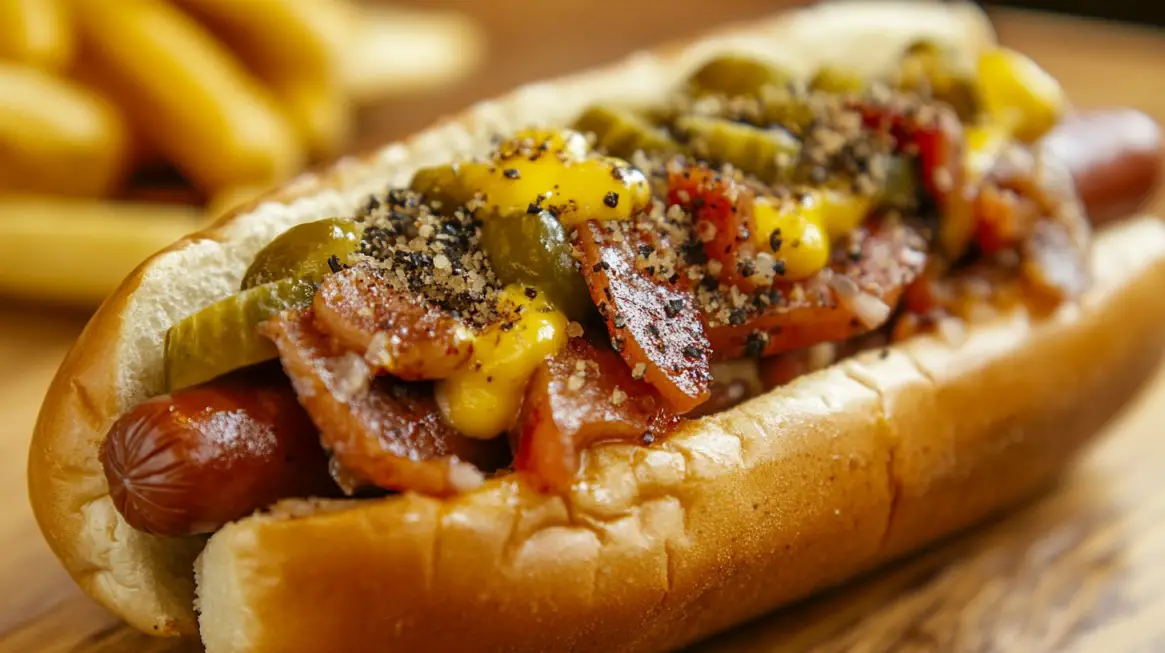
(464, 477)
(871, 311)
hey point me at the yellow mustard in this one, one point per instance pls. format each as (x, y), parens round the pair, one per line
(1018, 94)
(547, 170)
(806, 228)
(482, 399)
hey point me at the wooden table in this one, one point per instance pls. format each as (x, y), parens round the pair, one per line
(1080, 569)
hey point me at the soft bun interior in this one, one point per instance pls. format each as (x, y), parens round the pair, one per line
(117, 362)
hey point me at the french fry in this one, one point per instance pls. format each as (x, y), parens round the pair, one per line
(295, 47)
(140, 151)
(78, 251)
(57, 136)
(193, 99)
(395, 50)
(35, 33)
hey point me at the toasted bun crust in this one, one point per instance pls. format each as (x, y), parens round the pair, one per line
(653, 547)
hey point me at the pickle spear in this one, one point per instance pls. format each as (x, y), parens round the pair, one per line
(221, 337)
(621, 133)
(302, 252)
(770, 154)
(534, 249)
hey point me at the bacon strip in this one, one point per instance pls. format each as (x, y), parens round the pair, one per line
(386, 431)
(582, 395)
(399, 334)
(653, 326)
(854, 295)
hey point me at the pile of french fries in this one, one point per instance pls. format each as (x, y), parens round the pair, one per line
(126, 124)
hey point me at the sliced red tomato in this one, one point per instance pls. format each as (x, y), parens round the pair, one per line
(653, 325)
(383, 430)
(721, 211)
(582, 395)
(855, 294)
(1003, 218)
(938, 142)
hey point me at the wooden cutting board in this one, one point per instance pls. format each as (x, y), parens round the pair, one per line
(1078, 570)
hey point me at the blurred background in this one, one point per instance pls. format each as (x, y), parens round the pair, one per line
(126, 124)
(123, 129)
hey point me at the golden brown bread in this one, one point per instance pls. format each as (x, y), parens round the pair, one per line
(654, 547)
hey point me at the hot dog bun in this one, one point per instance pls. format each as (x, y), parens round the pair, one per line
(745, 510)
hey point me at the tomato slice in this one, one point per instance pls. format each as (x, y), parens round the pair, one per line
(938, 142)
(654, 326)
(385, 431)
(582, 395)
(855, 294)
(721, 211)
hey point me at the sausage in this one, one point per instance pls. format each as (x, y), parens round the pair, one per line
(190, 462)
(1114, 156)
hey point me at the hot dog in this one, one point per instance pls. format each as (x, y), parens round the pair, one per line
(1114, 156)
(204, 456)
(939, 332)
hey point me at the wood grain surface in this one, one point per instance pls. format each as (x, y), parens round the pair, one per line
(1082, 569)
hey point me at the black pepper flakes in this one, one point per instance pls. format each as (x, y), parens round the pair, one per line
(692, 351)
(611, 199)
(646, 250)
(779, 268)
(673, 307)
(334, 263)
(512, 173)
(648, 437)
(653, 330)
(531, 293)
(533, 209)
(754, 345)
(775, 240)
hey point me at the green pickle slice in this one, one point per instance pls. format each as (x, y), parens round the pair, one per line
(770, 154)
(221, 337)
(534, 249)
(928, 66)
(622, 132)
(302, 252)
(736, 75)
(901, 189)
(834, 79)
